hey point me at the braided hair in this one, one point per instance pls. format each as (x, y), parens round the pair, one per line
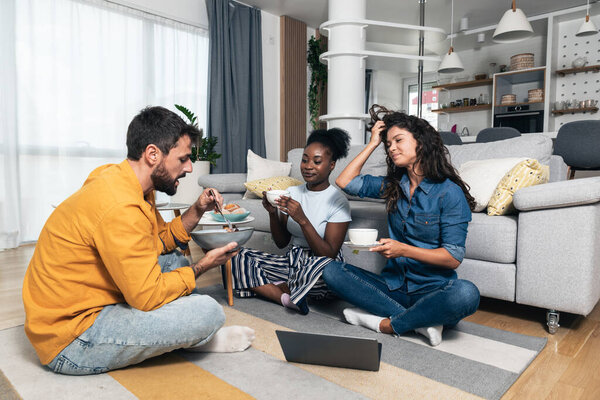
(432, 155)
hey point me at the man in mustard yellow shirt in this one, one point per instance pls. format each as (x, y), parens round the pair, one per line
(105, 288)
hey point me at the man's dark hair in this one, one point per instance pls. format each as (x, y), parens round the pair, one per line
(158, 126)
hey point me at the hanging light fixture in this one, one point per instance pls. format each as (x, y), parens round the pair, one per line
(513, 27)
(451, 62)
(587, 28)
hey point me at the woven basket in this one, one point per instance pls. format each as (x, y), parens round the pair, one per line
(535, 95)
(508, 99)
(521, 61)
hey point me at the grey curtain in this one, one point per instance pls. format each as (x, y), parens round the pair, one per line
(235, 87)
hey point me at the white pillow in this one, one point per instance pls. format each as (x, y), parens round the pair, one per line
(261, 168)
(483, 176)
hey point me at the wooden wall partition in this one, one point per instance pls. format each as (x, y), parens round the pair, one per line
(293, 90)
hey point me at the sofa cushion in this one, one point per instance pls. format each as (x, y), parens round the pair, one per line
(260, 168)
(492, 238)
(273, 183)
(531, 145)
(483, 177)
(224, 183)
(527, 173)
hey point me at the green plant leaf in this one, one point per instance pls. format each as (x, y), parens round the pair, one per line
(204, 150)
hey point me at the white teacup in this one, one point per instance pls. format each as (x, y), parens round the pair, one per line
(363, 236)
(272, 195)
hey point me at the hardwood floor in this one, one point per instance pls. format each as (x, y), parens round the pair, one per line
(567, 368)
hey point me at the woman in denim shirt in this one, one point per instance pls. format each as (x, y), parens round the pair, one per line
(429, 208)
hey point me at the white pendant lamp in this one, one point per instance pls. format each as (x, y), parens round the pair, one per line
(513, 27)
(451, 62)
(587, 28)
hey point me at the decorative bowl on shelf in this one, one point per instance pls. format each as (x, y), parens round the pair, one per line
(508, 99)
(480, 77)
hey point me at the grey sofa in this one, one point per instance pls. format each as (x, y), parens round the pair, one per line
(547, 255)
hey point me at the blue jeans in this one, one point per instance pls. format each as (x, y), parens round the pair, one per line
(445, 305)
(122, 335)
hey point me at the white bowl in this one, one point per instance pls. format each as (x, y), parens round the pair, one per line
(363, 236)
(272, 195)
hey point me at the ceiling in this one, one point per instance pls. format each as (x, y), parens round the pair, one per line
(481, 13)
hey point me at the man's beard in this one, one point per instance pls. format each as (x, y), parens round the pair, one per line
(162, 181)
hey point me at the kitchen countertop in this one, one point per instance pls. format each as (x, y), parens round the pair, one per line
(471, 139)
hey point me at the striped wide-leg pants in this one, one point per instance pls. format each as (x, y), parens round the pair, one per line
(299, 268)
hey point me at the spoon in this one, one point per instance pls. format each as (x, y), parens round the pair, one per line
(218, 208)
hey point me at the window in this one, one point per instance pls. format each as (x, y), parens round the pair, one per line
(430, 102)
(84, 70)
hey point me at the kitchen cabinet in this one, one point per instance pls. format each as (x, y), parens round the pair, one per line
(463, 85)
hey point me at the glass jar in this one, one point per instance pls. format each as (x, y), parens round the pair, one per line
(491, 70)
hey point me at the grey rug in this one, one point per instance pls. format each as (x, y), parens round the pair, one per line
(473, 358)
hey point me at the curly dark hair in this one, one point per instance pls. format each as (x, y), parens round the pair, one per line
(432, 155)
(335, 139)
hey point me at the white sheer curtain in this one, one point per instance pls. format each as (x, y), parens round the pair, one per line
(81, 70)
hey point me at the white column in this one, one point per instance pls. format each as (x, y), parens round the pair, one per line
(346, 73)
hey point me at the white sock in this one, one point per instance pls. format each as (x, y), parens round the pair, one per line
(286, 301)
(433, 333)
(228, 339)
(356, 316)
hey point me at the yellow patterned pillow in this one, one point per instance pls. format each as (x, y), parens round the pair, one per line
(274, 183)
(526, 173)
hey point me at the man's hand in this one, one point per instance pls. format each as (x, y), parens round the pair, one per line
(214, 258)
(206, 201)
(390, 248)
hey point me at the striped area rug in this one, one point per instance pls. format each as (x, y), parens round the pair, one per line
(472, 362)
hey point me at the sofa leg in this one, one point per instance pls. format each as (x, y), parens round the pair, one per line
(552, 317)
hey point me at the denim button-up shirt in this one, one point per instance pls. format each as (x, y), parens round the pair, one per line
(436, 216)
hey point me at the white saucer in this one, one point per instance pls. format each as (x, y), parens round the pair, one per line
(360, 247)
(161, 203)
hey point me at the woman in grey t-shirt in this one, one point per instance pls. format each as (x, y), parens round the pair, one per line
(314, 218)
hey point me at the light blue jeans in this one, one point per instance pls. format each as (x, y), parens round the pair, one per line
(123, 335)
(445, 305)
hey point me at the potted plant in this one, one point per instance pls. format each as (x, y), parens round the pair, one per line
(203, 156)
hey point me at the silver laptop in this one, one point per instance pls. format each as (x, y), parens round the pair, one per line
(330, 350)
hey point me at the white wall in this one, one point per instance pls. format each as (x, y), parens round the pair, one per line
(270, 50)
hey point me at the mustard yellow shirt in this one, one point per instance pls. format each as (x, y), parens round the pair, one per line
(99, 247)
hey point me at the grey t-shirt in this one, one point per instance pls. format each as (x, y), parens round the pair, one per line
(329, 205)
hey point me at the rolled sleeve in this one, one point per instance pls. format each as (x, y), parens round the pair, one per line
(454, 222)
(172, 234)
(366, 186)
(457, 252)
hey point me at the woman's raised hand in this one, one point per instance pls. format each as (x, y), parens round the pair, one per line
(376, 132)
(292, 208)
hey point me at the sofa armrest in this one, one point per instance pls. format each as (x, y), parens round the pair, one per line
(224, 183)
(558, 169)
(558, 194)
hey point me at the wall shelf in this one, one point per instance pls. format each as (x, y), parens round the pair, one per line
(451, 110)
(468, 84)
(563, 72)
(591, 110)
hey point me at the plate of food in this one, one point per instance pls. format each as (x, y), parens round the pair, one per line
(231, 212)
